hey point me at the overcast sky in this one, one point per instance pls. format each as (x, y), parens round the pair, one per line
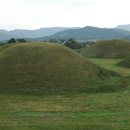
(33, 14)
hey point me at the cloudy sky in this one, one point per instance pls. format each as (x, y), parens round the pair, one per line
(33, 14)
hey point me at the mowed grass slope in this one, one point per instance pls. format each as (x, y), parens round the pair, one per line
(108, 49)
(125, 62)
(111, 64)
(3, 47)
(49, 68)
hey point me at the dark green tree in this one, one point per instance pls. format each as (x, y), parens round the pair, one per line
(21, 40)
(71, 43)
(53, 40)
(12, 40)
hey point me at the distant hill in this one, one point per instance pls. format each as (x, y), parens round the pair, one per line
(4, 35)
(19, 33)
(49, 68)
(124, 27)
(86, 33)
(89, 33)
(108, 49)
(36, 33)
(127, 37)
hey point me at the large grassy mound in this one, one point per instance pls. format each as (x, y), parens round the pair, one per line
(47, 68)
(108, 49)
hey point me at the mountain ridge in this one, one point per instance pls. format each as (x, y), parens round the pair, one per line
(22, 33)
(77, 33)
(124, 27)
(89, 33)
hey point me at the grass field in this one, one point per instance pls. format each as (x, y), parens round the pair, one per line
(82, 111)
(76, 112)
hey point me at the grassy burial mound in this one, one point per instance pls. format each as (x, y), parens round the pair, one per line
(37, 68)
(125, 63)
(3, 47)
(108, 49)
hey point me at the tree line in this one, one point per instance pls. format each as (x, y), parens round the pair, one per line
(71, 43)
(13, 40)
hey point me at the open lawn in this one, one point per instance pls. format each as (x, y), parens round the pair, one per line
(109, 111)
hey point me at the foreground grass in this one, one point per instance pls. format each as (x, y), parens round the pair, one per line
(111, 64)
(76, 112)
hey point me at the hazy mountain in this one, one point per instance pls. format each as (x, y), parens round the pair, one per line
(37, 33)
(89, 33)
(4, 35)
(127, 37)
(86, 33)
(125, 27)
(19, 33)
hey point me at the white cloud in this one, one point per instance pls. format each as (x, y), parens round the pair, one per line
(47, 13)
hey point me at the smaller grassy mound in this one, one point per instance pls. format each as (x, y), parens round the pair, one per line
(111, 64)
(125, 63)
(45, 68)
(108, 49)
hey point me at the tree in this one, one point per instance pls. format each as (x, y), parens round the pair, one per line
(71, 43)
(21, 40)
(12, 40)
(53, 40)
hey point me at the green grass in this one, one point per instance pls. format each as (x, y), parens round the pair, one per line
(111, 64)
(3, 47)
(108, 49)
(73, 112)
(125, 62)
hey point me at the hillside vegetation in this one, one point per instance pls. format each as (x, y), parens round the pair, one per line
(5, 46)
(125, 62)
(49, 68)
(108, 49)
(111, 64)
